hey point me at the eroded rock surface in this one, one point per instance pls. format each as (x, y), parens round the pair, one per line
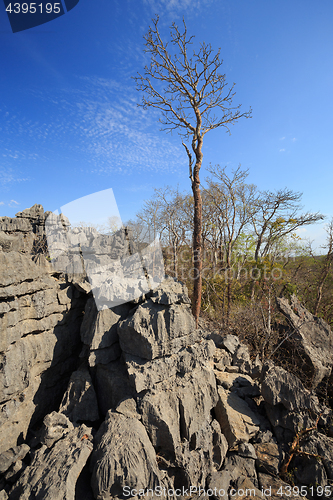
(313, 335)
(53, 472)
(160, 402)
(123, 456)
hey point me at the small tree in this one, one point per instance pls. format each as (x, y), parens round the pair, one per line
(188, 89)
(235, 204)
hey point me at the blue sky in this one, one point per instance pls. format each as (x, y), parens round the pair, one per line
(70, 125)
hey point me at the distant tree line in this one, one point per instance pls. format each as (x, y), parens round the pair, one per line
(251, 250)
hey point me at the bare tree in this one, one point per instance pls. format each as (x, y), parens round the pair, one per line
(188, 89)
(235, 203)
(278, 216)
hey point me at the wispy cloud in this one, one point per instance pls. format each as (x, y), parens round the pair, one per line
(9, 176)
(100, 120)
(176, 5)
(282, 138)
(294, 139)
(11, 203)
(281, 150)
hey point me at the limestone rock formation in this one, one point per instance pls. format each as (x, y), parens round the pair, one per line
(123, 456)
(100, 403)
(313, 336)
(39, 327)
(54, 470)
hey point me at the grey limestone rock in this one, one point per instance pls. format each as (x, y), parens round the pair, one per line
(232, 381)
(10, 456)
(247, 450)
(313, 336)
(280, 386)
(53, 472)
(128, 408)
(269, 458)
(104, 356)
(238, 422)
(171, 291)
(79, 402)
(179, 408)
(221, 481)
(222, 358)
(241, 358)
(39, 327)
(123, 457)
(155, 330)
(145, 374)
(105, 329)
(245, 465)
(316, 443)
(273, 486)
(36, 212)
(231, 343)
(112, 385)
(160, 416)
(244, 488)
(55, 427)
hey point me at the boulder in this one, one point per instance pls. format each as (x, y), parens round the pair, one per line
(244, 466)
(112, 385)
(79, 402)
(274, 488)
(320, 445)
(269, 458)
(222, 358)
(160, 416)
(179, 408)
(313, 336)
(171, 291)
(55, 427)
(238, 422)
(123, 458)
(231, 343)
(12, 455)
(155, 330)
(280, 386)
(53, 472)
(221, 481)
(145, 374)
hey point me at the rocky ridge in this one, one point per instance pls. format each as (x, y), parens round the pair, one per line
(100, 404)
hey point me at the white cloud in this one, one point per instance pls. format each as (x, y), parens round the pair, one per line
(281, 150)
(98, 119)
(2, 202)
(163, 5)
(282, 138)
(12, 203)
(294, 139)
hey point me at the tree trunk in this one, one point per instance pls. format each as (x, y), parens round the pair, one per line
(197, 248)
(174, 248)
